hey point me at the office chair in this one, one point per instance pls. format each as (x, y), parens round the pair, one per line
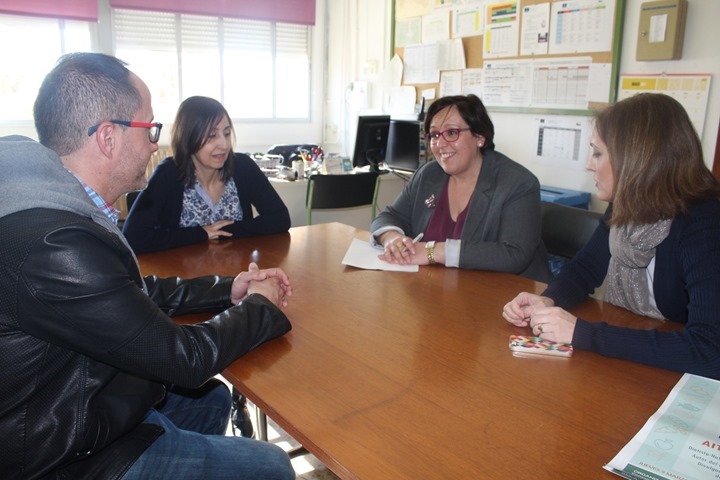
(342, 191)
(130, 198)
(125, 209)
(565, 230)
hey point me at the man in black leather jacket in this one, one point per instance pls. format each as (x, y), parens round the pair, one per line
(90, 361)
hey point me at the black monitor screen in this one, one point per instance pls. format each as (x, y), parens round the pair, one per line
(403, 150)
(371, 141)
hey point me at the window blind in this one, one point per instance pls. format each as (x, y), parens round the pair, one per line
(283, 11)
(160, 31)
(291, 40)
(247, 35)
(199, 32)
(257, 69)
(152, 30)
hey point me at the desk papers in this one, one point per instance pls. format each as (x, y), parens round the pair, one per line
(680, 441)
(361, 254)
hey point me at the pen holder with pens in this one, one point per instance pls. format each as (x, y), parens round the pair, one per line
(299, 167)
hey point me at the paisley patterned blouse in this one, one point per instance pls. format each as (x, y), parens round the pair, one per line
(198, 208)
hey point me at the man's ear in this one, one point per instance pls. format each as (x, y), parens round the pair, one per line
(105, 138)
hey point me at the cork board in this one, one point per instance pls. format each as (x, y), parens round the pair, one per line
(603, 63)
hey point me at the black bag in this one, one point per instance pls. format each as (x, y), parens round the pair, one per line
(289, 150)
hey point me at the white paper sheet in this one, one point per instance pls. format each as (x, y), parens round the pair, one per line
(468, 21)
(361, 254)
(535, 33)
(421, 64)
(581, 26)
(501, 30)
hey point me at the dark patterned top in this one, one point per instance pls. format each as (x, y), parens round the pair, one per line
(198, 208)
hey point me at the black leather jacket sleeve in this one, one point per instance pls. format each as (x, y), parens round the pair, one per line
(84, 288)
(87, 352)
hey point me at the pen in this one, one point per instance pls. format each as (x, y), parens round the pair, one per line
(415, 240)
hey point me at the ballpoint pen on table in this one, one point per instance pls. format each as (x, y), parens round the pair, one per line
(415, 240)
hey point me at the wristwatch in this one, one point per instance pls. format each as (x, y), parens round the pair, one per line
(430, 250)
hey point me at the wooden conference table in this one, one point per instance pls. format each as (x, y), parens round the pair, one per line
(391, 375)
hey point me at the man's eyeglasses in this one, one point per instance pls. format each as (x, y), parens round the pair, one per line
(153, 128)
(450, 135)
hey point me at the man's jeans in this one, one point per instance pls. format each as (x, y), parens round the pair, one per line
(194, 445)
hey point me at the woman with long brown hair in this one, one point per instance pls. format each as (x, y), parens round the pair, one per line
(205, 191)
(658, 245)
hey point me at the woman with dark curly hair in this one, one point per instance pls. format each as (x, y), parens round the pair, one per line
(475, 207)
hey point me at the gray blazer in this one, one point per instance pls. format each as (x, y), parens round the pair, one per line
(502, 231)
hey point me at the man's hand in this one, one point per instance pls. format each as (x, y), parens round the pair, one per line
(271, 283)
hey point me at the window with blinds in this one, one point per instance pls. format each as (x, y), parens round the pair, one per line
(30, 48)
(258, 70)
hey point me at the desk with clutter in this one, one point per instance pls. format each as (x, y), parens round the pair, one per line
(291, 182)
(288, 167)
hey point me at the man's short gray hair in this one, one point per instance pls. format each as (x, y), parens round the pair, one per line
(83, 90)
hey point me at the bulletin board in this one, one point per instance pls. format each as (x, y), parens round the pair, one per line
(529, 56)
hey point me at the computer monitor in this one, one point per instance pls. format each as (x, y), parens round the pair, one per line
(403, 149)
(371, 141)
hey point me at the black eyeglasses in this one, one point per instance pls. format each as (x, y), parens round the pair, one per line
(153, 128)
(450, 135)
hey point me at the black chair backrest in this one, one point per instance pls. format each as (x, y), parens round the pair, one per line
(341, 191)
(565, 230)
(130, 198)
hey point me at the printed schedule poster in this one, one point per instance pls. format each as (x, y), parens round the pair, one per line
(501, 30)
(681, 441)
(581, 26)
(691, 90)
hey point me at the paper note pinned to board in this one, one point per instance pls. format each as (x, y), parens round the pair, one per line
(401, 101)
(361, 254)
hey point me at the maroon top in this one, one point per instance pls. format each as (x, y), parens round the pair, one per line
(442, 226)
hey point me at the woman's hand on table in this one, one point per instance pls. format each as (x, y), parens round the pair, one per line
(401, 249)
(215, 230)
(540, 314)
(553, 323)
(518, 310)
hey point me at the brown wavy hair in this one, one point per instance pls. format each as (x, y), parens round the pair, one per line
(656, 159)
